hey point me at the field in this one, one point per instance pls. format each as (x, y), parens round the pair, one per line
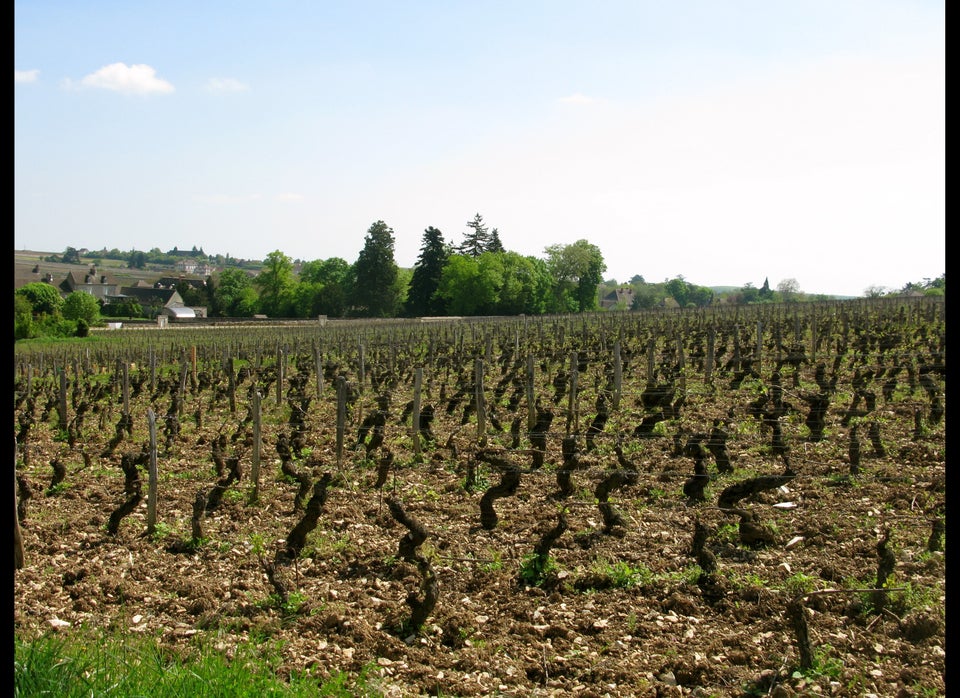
(735, 502)
(25, 261)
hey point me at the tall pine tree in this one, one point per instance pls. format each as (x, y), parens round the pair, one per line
(375, 290)
(421, 298)
(494, 244)
(476, 241)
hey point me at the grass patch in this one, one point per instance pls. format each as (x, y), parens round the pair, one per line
(75, 667)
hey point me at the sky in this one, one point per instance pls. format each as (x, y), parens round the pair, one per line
(727, 143)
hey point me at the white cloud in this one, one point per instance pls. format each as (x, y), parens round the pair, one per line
(226, 85)
(132, 79)
(25, 75)
(577, 98)
(289, 196)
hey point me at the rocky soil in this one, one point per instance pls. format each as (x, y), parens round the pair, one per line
(671, 595)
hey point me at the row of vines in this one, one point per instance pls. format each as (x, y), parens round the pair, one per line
(706, 416)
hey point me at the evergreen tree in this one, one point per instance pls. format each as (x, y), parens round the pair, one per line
(375, 292)
(495, 245)
(765, 291)
(421, 298)
(477, 239)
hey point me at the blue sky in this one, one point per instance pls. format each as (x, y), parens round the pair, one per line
(725, 142)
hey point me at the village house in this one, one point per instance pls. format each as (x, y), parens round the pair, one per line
(159, 298)
(192, 266)
(621, 298)
(154, 301)
(98, 285)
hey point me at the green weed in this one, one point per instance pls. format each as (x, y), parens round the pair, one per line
(535, 568)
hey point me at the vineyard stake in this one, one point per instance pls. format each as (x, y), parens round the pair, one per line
(711, 346)
(152, 473)
(481, 407)
(617, 375)
(17, 535)
(341, 417)
(255, 467)
(63, 399)
(415, 434)
(572, 412)
(531, 404)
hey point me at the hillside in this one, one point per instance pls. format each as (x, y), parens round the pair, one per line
(25, 261)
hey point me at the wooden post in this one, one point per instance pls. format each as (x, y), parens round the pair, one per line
(362, 366)
(759, 344)
(481, 406)
(617, 375)
(18, 561)
(153, 369)
(318, 362)
(572, 412)
(255, 466)
(193, 363)
(280, 372)
(151, 473)
(813, 338)
(531, 403)
(682, 363)
(182, 388)
(736, 347)
(341, 416)
(415, 435)
(231, 386)
(118, 379)
(651, 376)
(63, 399)
(126, 388)
(711, 347)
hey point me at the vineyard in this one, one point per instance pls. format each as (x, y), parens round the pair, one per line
(729, 501)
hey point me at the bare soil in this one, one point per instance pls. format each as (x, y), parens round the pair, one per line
(625, 610)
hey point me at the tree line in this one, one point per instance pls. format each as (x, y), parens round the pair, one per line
(478, 277)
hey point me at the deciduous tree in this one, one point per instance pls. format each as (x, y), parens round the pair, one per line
(44, 298)
(275, 283)
(577, 270)
(788, 289)
(82, 306)
(234, 295)
(525, 287)
(324, 288)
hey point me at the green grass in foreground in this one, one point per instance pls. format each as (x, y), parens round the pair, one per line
(68, 667)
